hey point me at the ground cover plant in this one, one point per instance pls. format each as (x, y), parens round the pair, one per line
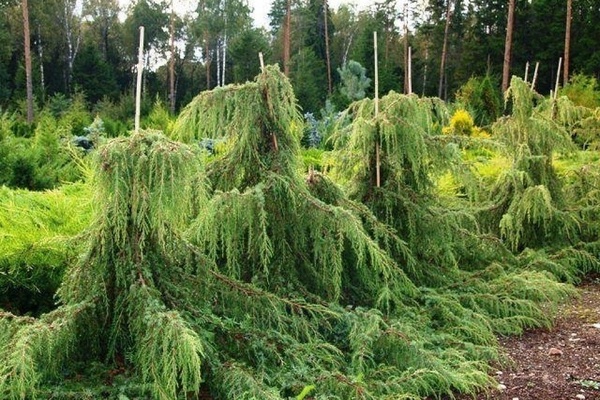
(38, 241)
(227, 269)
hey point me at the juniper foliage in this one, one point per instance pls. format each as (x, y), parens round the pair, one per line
(292, 250)
(413, 152)
(253, 280)
(528, 200)
(263, 225)
(114, 300)
(471, 283)
(38, 240)
(530, 207)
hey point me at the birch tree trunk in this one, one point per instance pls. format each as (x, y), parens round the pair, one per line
(567, 41)
(347, 46)
(508, 45)
(73, 38)
(207, 60)
(27, 49)
(444, 49)
(40, 51)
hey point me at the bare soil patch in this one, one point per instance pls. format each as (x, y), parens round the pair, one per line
(560, 363)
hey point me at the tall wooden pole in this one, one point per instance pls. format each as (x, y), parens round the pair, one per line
(557, 79)
(535, 73)
(406, 55)
(425, 68)
(327, 56)
(409, 70)
(286, 38)
(508, 45)
(376, 74)
(138, 90)
(224, 47)
(377, 145)
(27, 44)
(568, 41)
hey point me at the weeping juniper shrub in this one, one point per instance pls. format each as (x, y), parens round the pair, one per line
(263, 225)
(582, 192)
(412, 153)
(527, 200)
(461, 269)
(305, 294)
(115, 303)
(528, 207)
(298, 256)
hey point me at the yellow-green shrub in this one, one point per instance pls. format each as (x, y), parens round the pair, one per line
(462, 124)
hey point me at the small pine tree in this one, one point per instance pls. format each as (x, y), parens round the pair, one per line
(354, 80)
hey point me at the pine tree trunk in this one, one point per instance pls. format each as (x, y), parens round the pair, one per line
(27, 44)
(327, 55)
(508, 45)
(567, 41)
(286, 39)
(172, 61)
(207, 61)
(444, 49)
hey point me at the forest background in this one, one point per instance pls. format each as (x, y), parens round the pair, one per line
(90, 47)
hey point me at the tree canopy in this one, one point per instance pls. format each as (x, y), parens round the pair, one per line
(220, 40)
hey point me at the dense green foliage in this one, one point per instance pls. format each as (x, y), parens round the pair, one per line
(110, 299)
(38, 241)
(221, 265)
(482, 98)
(41, 161)
(90, 47)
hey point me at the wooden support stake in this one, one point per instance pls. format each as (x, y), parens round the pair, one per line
(526, 71)
(410, 70)
(377, 155)
(557, 78)
(262, 61)
(535, 73)
(138, 90)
